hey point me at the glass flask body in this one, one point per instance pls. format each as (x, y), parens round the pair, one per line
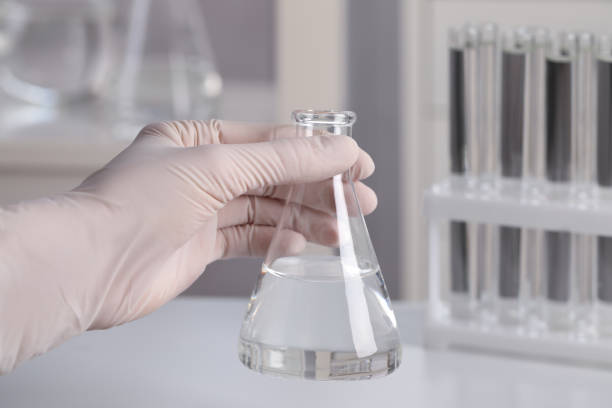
(320, 309)
(75, 35)
(167, 70)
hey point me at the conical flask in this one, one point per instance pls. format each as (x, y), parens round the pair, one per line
(167, 70)
(320, 309)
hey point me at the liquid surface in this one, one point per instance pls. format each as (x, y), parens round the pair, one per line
(315, 317)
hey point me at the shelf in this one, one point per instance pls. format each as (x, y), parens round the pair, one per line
(506, 340)
(506, 204)
(457, 201)
(37, 139)
(43, 151)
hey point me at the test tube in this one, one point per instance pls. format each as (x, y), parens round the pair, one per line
(583, 181)
(603, 279)
(532, 265)
(534, 163)
(457, 115)
(459, 297)
(487, 235)
(584, 139)
(560, 69)
(488, 132)
(471, 85)
(514, 102)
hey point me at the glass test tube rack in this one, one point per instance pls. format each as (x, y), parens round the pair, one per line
(474, 326)
(520, 233)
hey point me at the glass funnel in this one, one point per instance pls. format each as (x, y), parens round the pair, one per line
(320, 309)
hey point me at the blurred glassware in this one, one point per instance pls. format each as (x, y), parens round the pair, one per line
(168, 69)
(55, 53)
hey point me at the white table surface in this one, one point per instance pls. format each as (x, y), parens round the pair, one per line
(184, 355)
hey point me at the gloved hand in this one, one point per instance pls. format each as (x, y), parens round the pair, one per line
(139, 231)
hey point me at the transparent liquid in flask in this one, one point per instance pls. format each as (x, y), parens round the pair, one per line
(322, 311)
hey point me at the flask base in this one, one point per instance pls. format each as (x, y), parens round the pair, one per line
(317, 364)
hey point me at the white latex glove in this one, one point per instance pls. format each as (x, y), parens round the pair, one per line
(141, 230)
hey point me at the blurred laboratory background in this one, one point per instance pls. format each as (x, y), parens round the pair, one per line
(78, 78)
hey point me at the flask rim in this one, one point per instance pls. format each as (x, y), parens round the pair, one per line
(315, 117)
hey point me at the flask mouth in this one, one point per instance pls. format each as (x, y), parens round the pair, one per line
(311, 117)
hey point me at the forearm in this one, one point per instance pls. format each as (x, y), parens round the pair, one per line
(39, 253)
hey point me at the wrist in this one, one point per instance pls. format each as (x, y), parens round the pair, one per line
(41, 264)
